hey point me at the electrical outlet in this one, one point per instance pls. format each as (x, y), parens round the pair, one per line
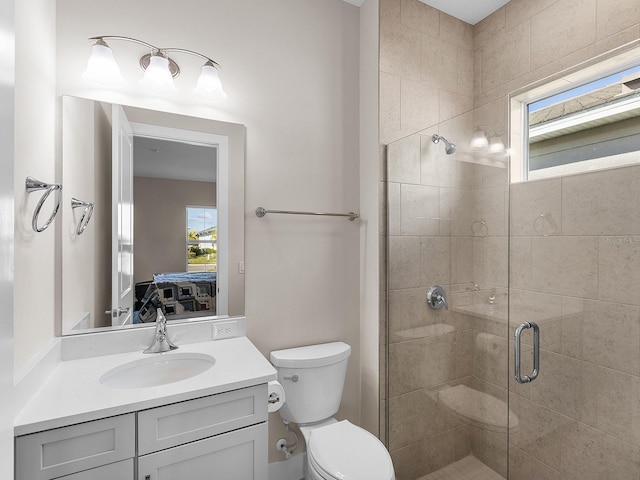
(225, 330)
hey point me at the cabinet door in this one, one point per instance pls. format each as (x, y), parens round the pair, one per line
(114, 471)
(172, 425)
(63, 451)
(237, 455)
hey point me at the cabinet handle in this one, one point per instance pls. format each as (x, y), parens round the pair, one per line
(147, 477)
(536, 352)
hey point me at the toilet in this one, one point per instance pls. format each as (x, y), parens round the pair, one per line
(313, 379)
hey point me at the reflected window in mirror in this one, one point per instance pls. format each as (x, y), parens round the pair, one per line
(585, 120)
(202, 239)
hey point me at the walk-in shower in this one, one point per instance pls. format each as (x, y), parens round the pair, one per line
(548, 252)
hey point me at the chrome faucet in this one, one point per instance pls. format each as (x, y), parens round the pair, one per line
(161, 342)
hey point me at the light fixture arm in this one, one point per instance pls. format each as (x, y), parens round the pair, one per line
(163, 51)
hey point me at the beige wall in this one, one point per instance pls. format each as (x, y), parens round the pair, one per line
(302, 274)
(86, 146)
(160, 212)
(7, 86)
(35, 155)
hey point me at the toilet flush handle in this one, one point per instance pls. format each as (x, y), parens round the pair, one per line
(293, 378)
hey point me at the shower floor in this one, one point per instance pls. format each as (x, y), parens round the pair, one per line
(469, 468)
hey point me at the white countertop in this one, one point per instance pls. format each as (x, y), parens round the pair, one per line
(73, 393)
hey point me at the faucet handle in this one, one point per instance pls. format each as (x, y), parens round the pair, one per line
(436, 298)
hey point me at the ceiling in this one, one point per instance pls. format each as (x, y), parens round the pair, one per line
(470, 11)
(159, 158)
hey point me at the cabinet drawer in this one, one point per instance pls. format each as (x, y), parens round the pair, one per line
(238, 455)
(63, 451)
(172, 425)
(114, 471)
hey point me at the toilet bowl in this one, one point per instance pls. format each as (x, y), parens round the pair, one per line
(313, 379)
(343, 451)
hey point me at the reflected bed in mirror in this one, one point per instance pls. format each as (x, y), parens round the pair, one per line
(169, 216)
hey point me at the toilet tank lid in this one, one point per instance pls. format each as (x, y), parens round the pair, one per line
(311, 356)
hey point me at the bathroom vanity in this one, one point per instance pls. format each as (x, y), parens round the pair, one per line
(83, 425)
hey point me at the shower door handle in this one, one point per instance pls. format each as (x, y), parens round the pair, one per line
(536, 353)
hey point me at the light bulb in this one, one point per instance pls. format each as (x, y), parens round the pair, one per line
(102, 68)
(479, 140)
(496, 145)
(157, 76)
(209, 85)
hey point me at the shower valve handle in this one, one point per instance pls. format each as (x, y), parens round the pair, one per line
(436, 298)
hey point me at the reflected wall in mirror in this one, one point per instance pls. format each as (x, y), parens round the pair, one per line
(169, 216)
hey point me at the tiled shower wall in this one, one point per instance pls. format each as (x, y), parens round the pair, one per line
(429, 78)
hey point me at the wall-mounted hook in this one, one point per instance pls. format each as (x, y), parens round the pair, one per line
(86, 214)
(33, 185)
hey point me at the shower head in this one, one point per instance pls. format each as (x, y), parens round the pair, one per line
(449, 148)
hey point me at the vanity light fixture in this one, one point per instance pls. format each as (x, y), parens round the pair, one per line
(159, 70)
(486, 140)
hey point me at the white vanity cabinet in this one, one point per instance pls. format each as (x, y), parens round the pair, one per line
(222, 436)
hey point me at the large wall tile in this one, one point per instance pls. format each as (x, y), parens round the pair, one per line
(439, 63)
(616, 16)
(419, 105)
(389, 101)
(403, 160)
(404, 262)
(619, 269)
(552, 38)
(435, 165)
(419, 210)
(417, 15)
(565, 265)
(518, 11)
(618, 404)
(390, 10)
(495, 259)
(489, 28)
(424, 457)
(531, 200)
(393, 208)
(400, 50)
(603, 333)
(599, 203)
(421, 363)
(435, 258)
(408, 310)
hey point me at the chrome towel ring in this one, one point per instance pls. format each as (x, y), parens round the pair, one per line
(86, 214)
(33, 185)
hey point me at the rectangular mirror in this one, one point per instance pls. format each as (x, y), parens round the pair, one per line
(168, 214)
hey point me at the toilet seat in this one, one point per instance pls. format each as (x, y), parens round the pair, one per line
(343, 451)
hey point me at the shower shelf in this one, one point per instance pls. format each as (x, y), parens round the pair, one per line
(478, 408)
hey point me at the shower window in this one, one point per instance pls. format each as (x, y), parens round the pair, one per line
(592, 126)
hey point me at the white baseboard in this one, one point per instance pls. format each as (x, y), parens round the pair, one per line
(292, 469)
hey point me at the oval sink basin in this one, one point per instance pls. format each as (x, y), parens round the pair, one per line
(159, 369)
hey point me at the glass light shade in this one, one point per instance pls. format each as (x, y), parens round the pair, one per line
(102, 68)
(209, 85)
(496, 145)
(157, 76)
(479, 140)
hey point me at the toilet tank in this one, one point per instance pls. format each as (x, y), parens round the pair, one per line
(313, 379)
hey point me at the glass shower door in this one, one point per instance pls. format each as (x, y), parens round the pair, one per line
(447, 367)
(575, 271)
